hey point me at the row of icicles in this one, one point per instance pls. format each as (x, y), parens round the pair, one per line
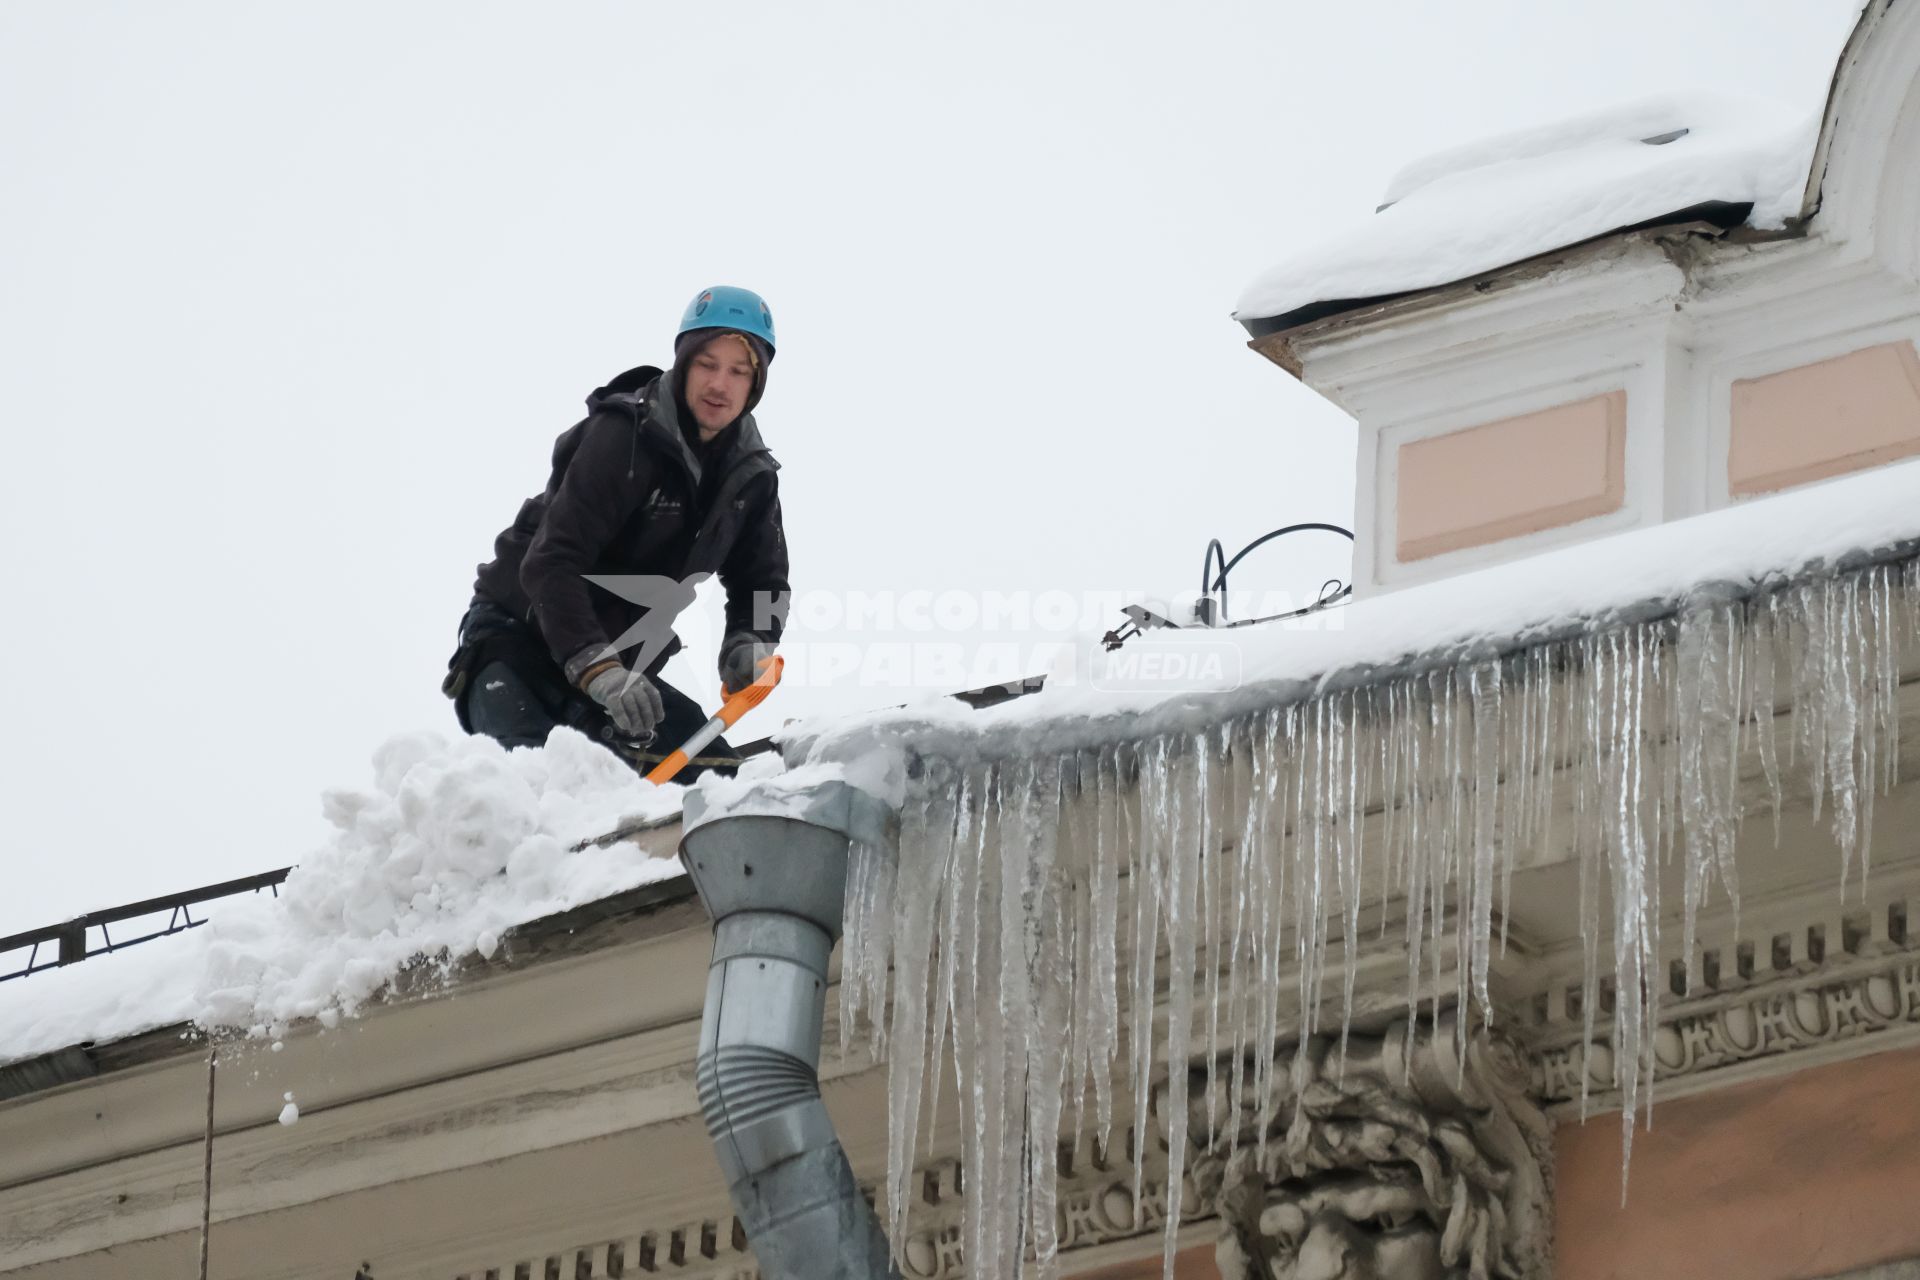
(997, 950)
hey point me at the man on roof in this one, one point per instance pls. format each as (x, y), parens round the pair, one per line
(665, 482)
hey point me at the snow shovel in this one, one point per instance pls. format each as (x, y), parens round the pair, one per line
(730, 712)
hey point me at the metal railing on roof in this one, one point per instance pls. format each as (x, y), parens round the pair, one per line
(69, 942)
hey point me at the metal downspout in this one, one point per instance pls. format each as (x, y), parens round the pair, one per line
(775, 887)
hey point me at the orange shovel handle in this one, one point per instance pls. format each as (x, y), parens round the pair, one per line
(754, 694)
(730, 712)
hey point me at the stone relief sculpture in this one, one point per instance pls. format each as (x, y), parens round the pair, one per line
(1396, 1163)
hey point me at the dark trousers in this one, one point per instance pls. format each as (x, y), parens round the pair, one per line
(505, 705)
(506, 685)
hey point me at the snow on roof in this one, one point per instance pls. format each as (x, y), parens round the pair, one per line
(1520, 602)
(454, 843)
(457, 841)
(1492, 203)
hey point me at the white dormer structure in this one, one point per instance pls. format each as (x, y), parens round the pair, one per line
(1616, 322)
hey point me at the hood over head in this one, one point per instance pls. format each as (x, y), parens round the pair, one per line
(627, 386)
(643, 392)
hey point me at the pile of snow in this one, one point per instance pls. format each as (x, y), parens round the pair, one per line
(1496, 202)
(453, 844)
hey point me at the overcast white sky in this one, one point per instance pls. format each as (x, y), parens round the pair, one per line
(294, 298)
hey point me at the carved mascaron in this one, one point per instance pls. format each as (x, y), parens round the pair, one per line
(1399, 1162)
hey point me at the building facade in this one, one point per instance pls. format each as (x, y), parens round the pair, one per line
(1692, 386)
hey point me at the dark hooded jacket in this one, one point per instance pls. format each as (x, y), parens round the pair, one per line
(629, 496)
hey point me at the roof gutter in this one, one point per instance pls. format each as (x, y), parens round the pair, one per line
(775, 885)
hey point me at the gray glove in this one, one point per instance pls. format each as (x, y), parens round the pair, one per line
(632, 703)
(740, 659)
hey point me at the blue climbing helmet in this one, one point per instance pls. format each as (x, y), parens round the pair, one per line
(727, 307)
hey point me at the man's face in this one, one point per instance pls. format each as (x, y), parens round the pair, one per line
(718, 383)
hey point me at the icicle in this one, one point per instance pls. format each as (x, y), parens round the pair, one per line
(1148, 880)
(1516, 789)
(1707, 717)
(866, 943)
(959, 900)
(1018, 929)
(1186, 851)
(1588, 847)
(1552, 683)
(1484, 683)
(1010, 1024)
(1279, 821)
(969, 1024)
(1103, 976)
(926, 859)
(1050, 997)
(1883, 738)
(1761, 708)
(1840, 712)
(1351, 802)
(1454, 728)
(1215, 757)
(1419, 729)
(1812, 607)
(1249, 911)
(1390, 728)
(1077, 817)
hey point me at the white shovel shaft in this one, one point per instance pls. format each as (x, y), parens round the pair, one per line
(712, 729)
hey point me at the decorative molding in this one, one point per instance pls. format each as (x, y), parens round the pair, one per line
(1811, 991)
(1390, 1154)
(714, 1249)
(1845, 1007)
(1095, 1207)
